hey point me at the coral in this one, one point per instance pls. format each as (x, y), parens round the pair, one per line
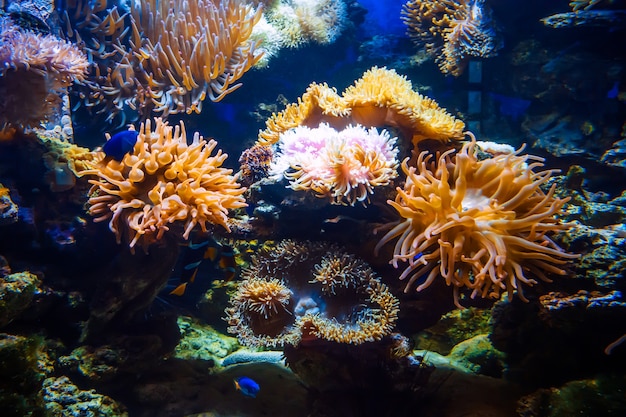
(24, 363)
(269, 40)
(252, 356)
(303, 21)
(8, 208)
(64, 399)
(200, 341)
(298, 291)
(164, 181)
(255, 164)
(595, 396)
(344, 166)
(16, 293)
(35, 70)
(451, 31)
(171, 56)
(381, 97)
(583, 4)
(479, 224)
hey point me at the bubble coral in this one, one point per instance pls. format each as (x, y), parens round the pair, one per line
(163, 181)
(381, 97)
(344, 166)
(479, 224)
(300, 290)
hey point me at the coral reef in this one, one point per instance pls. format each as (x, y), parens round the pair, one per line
(381, 97)
(16, 293)
(170, 57)
(300, 291)
(35, 71)
(451, 31)
(200, 341)
(8, 208)
(24, 363)
(303, 21)
(343, 166)
(255, 164)
(594, 396)
(163, 182)
(64, 399)
(479, 224)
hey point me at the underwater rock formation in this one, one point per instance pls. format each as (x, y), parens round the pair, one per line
(16, 293)
(63, 399)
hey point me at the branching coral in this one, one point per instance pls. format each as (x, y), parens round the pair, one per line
(302, 290)
(380, 98)
(171, 55)
(35, 70)
(451, 31)
(479, 224)
(344, 166)
(162, 182)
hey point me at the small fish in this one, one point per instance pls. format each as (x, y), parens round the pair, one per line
(222, 257)
(247, 386)
(614, 91)
(120, 144)
(192, 259)
(227, 263)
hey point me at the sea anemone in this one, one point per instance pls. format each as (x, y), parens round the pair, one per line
(479, 224)
(163, 182)
(344, 166)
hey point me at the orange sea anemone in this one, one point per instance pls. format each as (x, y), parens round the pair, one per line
(479, 224)
(381, 97)
(162, 182)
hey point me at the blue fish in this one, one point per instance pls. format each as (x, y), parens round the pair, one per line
(120, 144)
(247, 386)
(614, 91)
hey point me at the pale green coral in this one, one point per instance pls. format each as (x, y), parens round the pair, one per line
(16, 294)
(201, 341)
(64, 399)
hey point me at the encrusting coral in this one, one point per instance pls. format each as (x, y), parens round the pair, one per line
(479, 224)
(172, 55)
(381, 97)
(451, 31)
(163, 181)
(344, 166)
(35, 71)
(299, 291)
